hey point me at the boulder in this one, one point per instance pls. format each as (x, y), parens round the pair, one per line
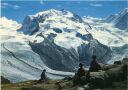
(98, 79)
(118, 62)
(125, 60)
(107, 67)
(118, 73)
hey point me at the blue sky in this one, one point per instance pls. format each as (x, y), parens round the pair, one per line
(17, 10)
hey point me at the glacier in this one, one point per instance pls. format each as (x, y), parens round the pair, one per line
(18, 61)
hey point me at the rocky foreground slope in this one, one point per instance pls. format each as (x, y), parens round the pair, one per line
(111, 77)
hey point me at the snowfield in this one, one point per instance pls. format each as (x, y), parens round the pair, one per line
(107, 33)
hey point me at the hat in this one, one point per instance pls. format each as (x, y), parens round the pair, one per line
(80, 65)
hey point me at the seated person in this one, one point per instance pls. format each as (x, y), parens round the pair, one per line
(94, 66)
(81, 72)
(43, 76)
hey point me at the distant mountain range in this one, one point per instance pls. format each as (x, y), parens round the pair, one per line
(58, 41)
(120, 20)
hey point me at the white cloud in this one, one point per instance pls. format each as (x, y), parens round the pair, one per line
(6, 5)
(41, 2)
(8, 26)
(16, 6)
(96, 5)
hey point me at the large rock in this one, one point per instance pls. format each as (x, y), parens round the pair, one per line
(110, 78)
(98, 79)
(118, 73)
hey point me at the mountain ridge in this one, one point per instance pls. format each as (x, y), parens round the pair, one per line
(119, 20)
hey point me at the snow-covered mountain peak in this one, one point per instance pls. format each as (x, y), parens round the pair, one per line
(64, 24)
(51, 19)
(119, 20)
(113, 17)
(124, 11)
(62, 32)
(51, 13)
(55, 13)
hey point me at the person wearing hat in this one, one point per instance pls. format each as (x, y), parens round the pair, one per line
(43, 76)
(81, 72)
(94, 66)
